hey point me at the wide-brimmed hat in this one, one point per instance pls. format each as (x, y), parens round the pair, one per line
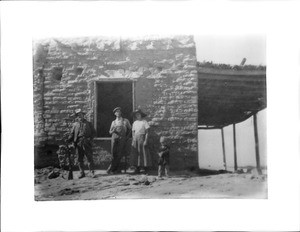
(117, 108)
(77, 111)
(140, 112)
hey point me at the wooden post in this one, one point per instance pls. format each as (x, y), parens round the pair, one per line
(256, 144)
(223, 146)
(234, 144)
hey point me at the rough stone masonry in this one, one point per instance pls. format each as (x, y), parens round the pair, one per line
(164, 74)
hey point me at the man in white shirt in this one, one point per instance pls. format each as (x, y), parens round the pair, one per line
(140, 150)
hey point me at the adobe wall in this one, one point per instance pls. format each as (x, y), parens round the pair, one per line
(165, 75)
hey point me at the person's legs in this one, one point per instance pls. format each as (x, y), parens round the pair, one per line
(141, 153)
(114, 146)
(80, 154)
(137, 150)
(89, 156)
(159, 170)
(118, 145)
(147, 160)
(119, 153)
(167, 170)
(135, 159)
(133, 155)
(145, 155)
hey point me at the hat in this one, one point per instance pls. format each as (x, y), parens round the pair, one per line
(139, 111)
(117, 108)
(77, 111)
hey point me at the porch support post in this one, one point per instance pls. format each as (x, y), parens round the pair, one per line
(223, 146)
(234, 144)
(256, 145)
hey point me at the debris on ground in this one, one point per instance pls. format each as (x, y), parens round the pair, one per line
(53, 174)
(181, 184)
(68, 191)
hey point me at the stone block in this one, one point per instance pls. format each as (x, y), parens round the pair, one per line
(82, 94)
(66, 111)
(73, 106)
(54, 111)
(49, 94)
(63, 129)
(53, 133)
(47, 116)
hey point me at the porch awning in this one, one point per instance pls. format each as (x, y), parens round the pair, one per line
(227, 96)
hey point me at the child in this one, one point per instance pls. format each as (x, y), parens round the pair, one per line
(163, 157)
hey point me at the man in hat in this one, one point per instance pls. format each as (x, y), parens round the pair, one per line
(140, 150)
(120, 131)
(82, 135)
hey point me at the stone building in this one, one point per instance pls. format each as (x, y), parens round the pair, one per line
(96, 74)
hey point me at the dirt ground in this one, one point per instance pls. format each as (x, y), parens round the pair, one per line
(128, 186)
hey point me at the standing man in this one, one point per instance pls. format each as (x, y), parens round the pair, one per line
(140, 151)
(120, 131)
(82, 135)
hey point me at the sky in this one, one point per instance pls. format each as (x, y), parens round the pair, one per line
(210, 144)
(231, 50)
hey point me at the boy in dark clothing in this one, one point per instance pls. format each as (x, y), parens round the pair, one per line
(163, 158)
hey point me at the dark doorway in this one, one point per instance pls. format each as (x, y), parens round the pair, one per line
(109, 96)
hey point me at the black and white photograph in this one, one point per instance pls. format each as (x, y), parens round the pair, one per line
(144, 118)
(150, 115)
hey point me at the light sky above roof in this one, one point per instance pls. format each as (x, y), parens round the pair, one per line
(231, 49)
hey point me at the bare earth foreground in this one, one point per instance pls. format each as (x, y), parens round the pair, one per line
(128, 186)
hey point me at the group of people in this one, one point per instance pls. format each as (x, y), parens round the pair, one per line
(83, 132)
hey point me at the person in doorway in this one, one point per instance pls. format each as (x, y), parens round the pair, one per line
(139, 144)
(82, 134)
(120, 131)
(163, 158)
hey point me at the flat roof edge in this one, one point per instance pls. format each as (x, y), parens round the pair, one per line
(226, 72)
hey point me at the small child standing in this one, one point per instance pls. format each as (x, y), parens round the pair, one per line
(163, 157)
